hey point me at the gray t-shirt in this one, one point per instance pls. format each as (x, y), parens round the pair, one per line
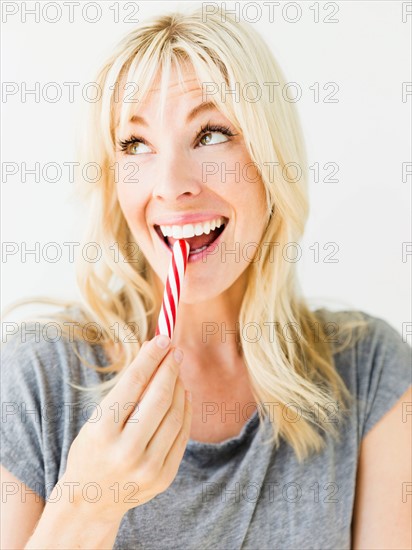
(239, 493)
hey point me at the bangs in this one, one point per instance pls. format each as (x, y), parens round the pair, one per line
(149, 69)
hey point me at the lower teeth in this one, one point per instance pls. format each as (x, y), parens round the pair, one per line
(193, 251)
(197, 250)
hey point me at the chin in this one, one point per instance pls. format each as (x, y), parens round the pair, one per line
(194, 294)
(205, 290)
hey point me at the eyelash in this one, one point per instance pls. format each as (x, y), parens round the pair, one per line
(124, 144)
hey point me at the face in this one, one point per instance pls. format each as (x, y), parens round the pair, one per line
(183, 178)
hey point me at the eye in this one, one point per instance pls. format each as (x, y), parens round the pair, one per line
(134, 146)
(207, 135)
(207, 132)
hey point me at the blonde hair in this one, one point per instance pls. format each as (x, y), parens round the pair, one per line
(299, 371)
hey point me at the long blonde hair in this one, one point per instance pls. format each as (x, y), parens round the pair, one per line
(116, 292)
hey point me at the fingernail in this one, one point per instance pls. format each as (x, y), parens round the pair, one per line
(178, 355)
(189, 395)
(162, 341)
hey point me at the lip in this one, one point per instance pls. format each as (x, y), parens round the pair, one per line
(181, 219)
(200, 255)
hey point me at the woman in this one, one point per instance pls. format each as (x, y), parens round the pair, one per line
(293, 434)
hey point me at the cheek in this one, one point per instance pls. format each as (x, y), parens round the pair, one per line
(125, 197)
(253, 204)
(131, 204)
(251, 193)
(130, 193)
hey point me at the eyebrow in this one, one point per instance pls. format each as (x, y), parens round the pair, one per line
(205, 106)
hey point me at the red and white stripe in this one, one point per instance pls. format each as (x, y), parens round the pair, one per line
(177, 268)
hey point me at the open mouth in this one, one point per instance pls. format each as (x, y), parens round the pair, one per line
(202, 234)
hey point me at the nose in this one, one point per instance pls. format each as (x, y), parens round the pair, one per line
(175, 177)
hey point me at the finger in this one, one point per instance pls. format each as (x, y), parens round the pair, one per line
(118, 404)
(163, 438)
(177, 450)
(143, 423)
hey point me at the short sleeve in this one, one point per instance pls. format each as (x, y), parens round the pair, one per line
(42, 410)
(21, 422)
(384, 371)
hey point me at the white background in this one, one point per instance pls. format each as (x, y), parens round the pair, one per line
(367, 213)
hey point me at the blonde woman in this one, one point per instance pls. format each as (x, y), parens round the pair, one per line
(294, 435)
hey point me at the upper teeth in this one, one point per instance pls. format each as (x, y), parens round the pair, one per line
(190, 230)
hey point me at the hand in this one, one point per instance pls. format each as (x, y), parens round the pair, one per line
(133, 451)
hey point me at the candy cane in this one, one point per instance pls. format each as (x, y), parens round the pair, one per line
(177, 269)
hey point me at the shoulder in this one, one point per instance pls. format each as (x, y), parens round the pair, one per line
(39, 353)
(368, 327)
(371, 336)
(377, 366)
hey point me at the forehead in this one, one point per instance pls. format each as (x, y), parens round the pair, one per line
(176, 90)
(178, 84)
(178, 80)
(164, 90)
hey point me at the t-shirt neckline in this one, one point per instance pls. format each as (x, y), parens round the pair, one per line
(246, 431)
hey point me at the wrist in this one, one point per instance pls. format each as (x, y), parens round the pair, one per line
(90, 501)
(69, 522)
